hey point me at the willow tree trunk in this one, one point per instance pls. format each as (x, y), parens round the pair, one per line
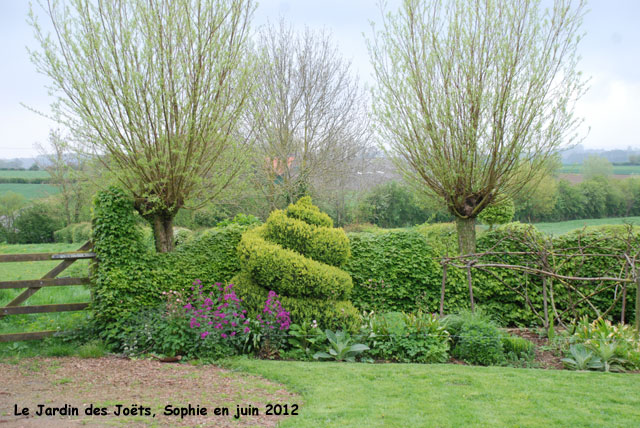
(163, 233)
(466, 228)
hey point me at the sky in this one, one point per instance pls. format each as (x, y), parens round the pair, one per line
(610, 58)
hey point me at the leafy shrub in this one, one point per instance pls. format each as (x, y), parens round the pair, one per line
(77, 232)
(81, 232)
(407, 338)
(323, 244)
(289, 272)
(309, 289)
(392, 205)
(34, 226)
(599, 240)
(241, 219)
(181, 235)
(517, 348)
(476, 338)
(130, 277)
(498, 213)
(304, 210)
(305, 340)
(479, 343)
(612, 344)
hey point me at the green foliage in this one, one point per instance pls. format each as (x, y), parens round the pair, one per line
(495, 290)
(241, 219)
(341, 347)
(616, 345)
(409, 338)
(498, 213)
(325, 312)
(324, 244)
(598, 240)
(130, 276)
(304, 210)
(476, 338)
(596, 166)
(582, 359)
(73, 233)
(34, 225)
(392, 204)
(181, 235)
(399, 271)
(310, 289)
(290, 273)
(517, 348)
(479, 343)
(305, 340)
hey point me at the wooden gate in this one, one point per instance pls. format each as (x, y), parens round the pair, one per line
(33, 285)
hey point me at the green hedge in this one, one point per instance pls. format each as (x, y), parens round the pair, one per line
(304, 210)
(73, 233)
(400, 271)
(279, 256)
(324, 244)
(289, 273)
(129, 276)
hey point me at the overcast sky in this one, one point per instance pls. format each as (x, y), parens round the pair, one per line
(610, 56)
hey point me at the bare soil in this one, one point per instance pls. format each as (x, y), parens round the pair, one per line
(545, 359)
(109, 381)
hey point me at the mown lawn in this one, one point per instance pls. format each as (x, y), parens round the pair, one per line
(560, 227)
(413, 395)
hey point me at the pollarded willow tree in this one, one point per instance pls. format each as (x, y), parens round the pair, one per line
(470, 93)
(155, 89)
(307, 114)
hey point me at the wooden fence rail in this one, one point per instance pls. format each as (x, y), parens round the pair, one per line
(33, 285)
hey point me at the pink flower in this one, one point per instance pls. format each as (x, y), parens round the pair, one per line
(247, 330)
(223, 335)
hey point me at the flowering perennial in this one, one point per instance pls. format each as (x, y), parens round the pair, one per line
(218, 312)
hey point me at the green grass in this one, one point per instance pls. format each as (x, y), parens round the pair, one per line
(617, 169)
(23, 174)
(412, 395)
(30, 191)
(558, 228)
(45, 296)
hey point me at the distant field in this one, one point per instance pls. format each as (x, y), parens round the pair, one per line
(23, 174)
(561, 227)
(47, 295)
(30, 191)
(617, 169)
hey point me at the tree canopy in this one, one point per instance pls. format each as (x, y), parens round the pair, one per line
(155, 89)
(470, 93)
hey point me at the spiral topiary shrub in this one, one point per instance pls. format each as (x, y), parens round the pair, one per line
(298, 254)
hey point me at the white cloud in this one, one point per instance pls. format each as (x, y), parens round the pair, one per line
(611, 109)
